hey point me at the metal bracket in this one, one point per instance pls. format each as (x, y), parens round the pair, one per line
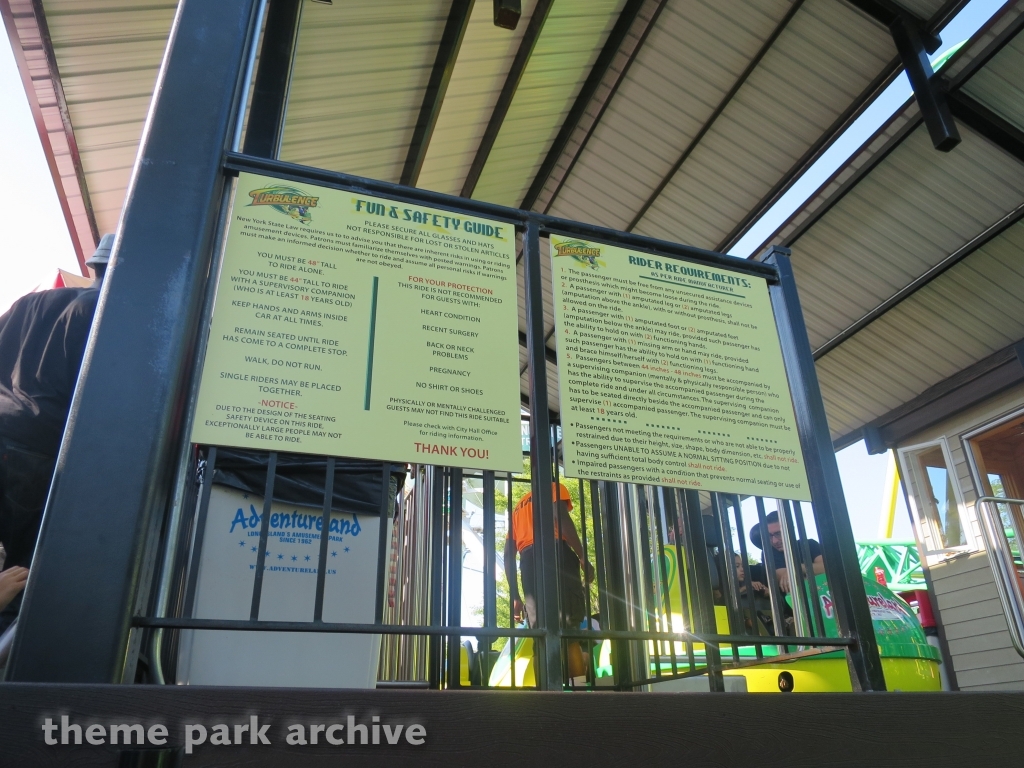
(914, 44)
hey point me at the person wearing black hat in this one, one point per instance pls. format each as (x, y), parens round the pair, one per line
(773, 557)
(42, 342)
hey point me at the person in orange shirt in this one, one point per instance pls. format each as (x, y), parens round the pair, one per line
(570, 555)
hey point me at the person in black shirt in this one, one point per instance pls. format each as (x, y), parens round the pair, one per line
(42, 341)
(773, 557)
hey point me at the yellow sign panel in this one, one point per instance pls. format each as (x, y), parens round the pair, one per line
(349, 325)
(671, 374)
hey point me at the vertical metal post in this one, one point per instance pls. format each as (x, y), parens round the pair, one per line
(261, 555)
(435, 644)
(74, 625)
(830, 514)
(200, 530)
(748, 582)
(664, 604)
(684, 567)
(812, 584)
(490, 577)
(265, 126)
(455, 576)
(549, 667)
(325, 535)
(794, 565)
(727, 564)
(617, 616)
(386, 504)
(698, 549)
(597, 511)
(774, 594)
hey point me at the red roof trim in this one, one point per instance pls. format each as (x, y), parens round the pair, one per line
(33, 51)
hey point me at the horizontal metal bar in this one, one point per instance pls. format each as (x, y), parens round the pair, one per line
(402, 684)
(686, 637)
(337, 628)
(403, 629)
(664, 248)
(237, 162)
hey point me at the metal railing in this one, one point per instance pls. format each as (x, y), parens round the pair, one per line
(668, 598)
(1006, 566)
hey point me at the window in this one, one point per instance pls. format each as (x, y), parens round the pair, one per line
(997, 454)
(935, 499)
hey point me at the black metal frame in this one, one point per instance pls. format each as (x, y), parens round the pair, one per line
(101, 656)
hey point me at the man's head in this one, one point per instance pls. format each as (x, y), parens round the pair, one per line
(101, 257)
(774, 530)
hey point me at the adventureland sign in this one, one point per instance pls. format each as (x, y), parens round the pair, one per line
(349, 325)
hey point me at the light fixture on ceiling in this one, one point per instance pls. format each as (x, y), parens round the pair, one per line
(507, 13)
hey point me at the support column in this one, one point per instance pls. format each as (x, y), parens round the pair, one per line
(830, 514)
(265, 127)
(114, 472)
(549, 660)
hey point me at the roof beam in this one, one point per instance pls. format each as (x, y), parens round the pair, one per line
(879, 84)
(909, 290)
(914, 44)
(30, 41)
(886, 12)
(984, 121)
(508, 92)
(874, 157)
(597, 74)
(751, 66)
(914, 41)
(441, 74)
(962, 390)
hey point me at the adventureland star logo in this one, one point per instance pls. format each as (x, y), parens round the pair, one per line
(288, 200)
(583, 253)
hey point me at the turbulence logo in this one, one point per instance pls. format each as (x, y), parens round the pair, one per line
(287, 200)
(584, 253)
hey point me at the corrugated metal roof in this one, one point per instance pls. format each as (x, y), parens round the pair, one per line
(571, 40)
(1000, 84)
(480, 71)
(826, 56)
(361, 68)
(361, 72)
(108, 53)
(914, 209)
(923, 9)
(969, 312)
(688, 63)
(888, 225)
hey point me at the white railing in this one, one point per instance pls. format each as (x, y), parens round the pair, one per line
(1000, 556)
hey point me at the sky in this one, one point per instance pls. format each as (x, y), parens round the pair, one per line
(35, 240)
(893, 98)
